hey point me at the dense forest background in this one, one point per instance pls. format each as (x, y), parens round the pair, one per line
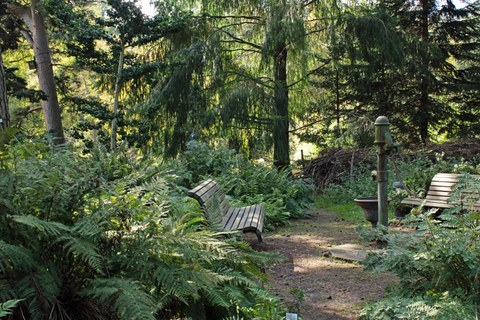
(258, 76)
(108, 116)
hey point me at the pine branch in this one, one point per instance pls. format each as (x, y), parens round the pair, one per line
(258, 18)
(241, 41)
(309, 73)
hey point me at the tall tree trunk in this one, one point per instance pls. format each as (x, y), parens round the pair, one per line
(337, 106)
(4, 115)
(281, 146)
(424, 108)
(113, 138)
(33, 18)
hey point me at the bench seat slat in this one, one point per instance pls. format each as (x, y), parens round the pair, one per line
(231, 218)
(412, 201)
(255, 217)
(437, 198)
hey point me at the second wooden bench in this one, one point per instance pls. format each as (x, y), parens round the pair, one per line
(439, 194)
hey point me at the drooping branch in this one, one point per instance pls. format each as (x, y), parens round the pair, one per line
(242, 41)
(309, 73)
(257, 18)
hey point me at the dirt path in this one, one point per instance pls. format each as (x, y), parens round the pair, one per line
(332, 289)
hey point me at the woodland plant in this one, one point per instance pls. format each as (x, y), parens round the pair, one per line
(248, 183)
(437, 267)
(108, 236)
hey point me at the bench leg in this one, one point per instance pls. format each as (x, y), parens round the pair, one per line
(259, 236)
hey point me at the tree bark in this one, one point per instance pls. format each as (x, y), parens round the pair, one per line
(4, 115)
(113, 138)
(424, 107)
(33, 18)
(281, 145)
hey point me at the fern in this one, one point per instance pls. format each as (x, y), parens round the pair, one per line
(15, 257)
(7, 306)
(47, 228)
(85, 250)
(40, 288)
(126, 297)
(111, 236)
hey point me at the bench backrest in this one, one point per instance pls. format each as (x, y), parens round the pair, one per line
(440, 192)
(210, 197)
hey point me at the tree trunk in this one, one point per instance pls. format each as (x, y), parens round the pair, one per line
(113, 138)
(281, 146)
(4, 115)
(337, 106)
(33, 18)
(424, 108)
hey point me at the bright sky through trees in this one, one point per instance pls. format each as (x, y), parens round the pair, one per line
(147, 7)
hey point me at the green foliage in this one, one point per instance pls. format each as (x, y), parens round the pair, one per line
(283, 196)
(379, 233)
(112, 236)
(360, 184)
(6, 307)
(437, 266)
(348, 211)
(418, 308)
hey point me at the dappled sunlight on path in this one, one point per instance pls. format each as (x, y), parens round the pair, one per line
(333, 289)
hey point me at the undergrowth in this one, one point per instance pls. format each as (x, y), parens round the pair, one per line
(247, 183)
(113, 236)
(437, 264)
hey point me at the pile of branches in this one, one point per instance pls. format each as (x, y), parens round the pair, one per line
(334, 164)
(467, 149)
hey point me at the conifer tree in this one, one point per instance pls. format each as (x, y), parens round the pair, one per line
(407, 60)
(259, 59)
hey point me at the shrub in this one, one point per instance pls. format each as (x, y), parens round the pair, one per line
(438, 267)
(109, 236)
(248, 183)
(418, 308)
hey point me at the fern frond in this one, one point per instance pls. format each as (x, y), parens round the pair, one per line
(236, 296)
(126, 297)
(233, 318)
(168, 281)
(90, 226)
(48, 228)
(6, 308)
(85, 250)
(16, 257)
(216, 297)
(40, 289)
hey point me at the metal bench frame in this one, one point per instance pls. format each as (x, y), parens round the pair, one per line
(246, 219)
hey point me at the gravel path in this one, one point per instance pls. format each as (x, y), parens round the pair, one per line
(333, 289)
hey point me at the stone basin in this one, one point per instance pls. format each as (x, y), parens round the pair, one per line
(369, 206)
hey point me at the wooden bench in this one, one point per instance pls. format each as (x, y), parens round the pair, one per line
(439, 194)
(212, 198)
